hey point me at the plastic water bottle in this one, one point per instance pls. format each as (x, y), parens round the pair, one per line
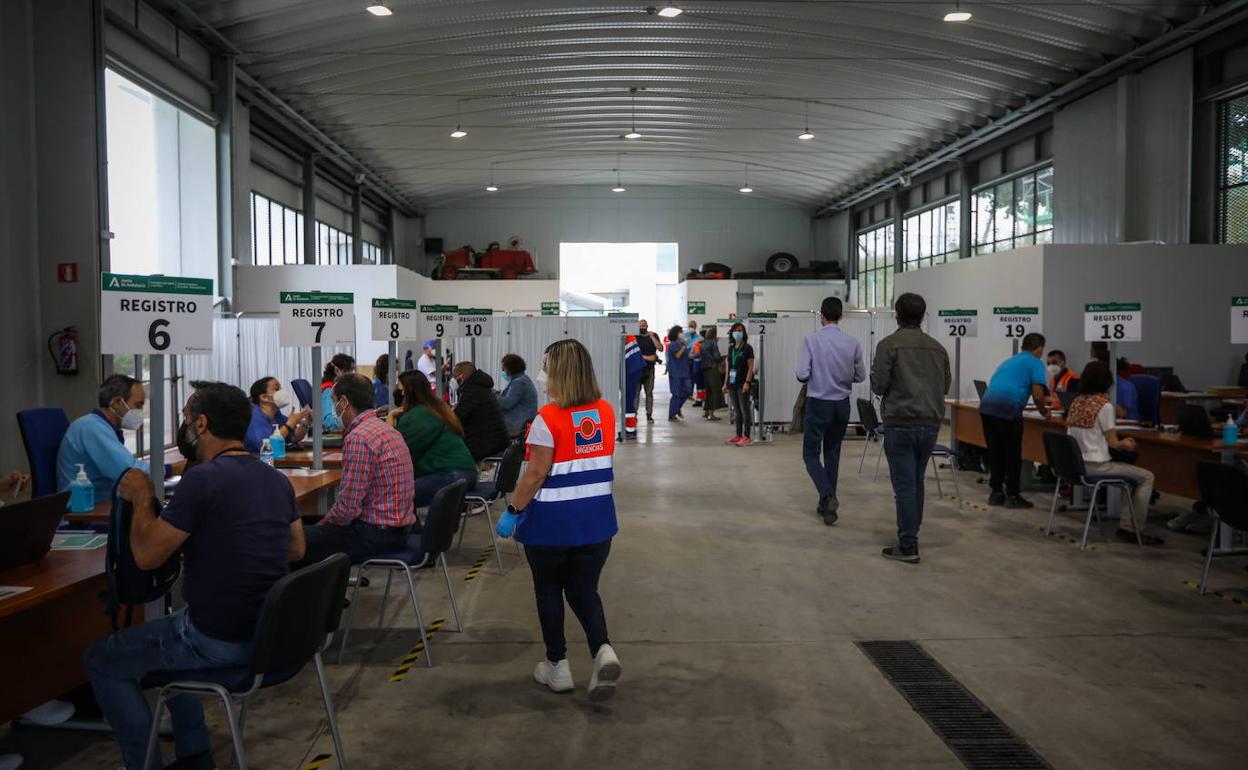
(277, 443)
(266, 453)
(81, 493)
(1230, 433)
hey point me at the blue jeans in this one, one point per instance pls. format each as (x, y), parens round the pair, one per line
(682, 389)
(117, 662)
(428, 486)
(908, 450)
(357, 540)
(823, 429)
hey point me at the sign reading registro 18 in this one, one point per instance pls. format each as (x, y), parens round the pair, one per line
(1239, 320)
(1112, 322)
(959, 323)
(394, 319)
(1014, 323)
(313, 319)
(155, 314)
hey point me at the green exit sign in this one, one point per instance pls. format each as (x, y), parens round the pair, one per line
(697, 308)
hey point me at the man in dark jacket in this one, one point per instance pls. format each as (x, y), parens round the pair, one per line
(910, 373)
(477, 408)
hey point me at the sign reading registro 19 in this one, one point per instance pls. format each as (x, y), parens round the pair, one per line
(313, 319)
(959, 323)
(1014, 323)
(1112, 322)
(155, 314)
(1239, 320)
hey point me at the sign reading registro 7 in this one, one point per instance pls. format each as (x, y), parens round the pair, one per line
(312, 319)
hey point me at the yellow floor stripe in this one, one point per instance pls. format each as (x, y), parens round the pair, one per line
(1068, 539)
(1220, 594)
(318, 761)
(416, 652)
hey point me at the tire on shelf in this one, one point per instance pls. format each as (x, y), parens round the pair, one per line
(781, 263)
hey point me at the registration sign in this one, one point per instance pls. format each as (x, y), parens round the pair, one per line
(438, 321)
(1112, 322)
(1239, 319)
(1014, 323)
(959, 323)
(314, 319)
(394, 319)
(760, 323)
(623, 321)
(475, 322)
(155, 315)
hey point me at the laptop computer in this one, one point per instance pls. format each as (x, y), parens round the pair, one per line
(26, 529)
(1194, 421)
(981, 388)
(1066, 397)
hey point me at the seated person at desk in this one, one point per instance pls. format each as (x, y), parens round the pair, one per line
(434, 438)
(235, 521)
(1128, 396)
(11, 484)
(373, 513)
(381, 380)
(1061, 379)
(1091, 423)
(268, 399)
(519, 397)
(339, 365)
(477, 408)
(95, 440)
(1001, 410)
(1242, 381)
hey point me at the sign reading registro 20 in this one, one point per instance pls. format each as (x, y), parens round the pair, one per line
(959, 323)
(394, 319)
(312, 319)
(1112, 322)
(155, 315)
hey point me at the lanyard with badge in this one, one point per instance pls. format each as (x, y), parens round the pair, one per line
(733, 354)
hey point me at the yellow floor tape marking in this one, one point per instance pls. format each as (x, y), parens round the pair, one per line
(1068, 539)
(1219, 594)
(415, 653)
(318, 761)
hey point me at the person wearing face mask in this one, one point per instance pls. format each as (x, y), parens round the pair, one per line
(738, 384)
(478, 411)
(679, 372)
(428, 363)
(373, 513)
(339, 365)
(1061, 379)
(235, 522)
(694, 341)
(518, 399)
(649, 344)
(268, 399)
(381, 382)
(96, 442)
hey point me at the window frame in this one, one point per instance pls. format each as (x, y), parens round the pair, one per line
(936, 222)
(990, 241)
(1223, 188)
(876, 265)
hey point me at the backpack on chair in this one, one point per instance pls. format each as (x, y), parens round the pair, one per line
(127, 584)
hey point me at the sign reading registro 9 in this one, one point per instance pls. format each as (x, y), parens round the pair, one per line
(155, 315)
(312, 319)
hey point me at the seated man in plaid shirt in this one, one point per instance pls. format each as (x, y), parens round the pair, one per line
(373, 513)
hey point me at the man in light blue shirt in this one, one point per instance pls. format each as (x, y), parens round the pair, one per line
(1019, 378)
(95, 440)
(830, 364)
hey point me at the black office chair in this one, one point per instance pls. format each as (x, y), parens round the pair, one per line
(436, 535)
(297, 621)
(486, 493)
(871, 424)
(1063, 456)
(1224, 488)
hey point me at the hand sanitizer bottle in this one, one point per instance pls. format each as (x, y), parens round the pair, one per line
(277, 443)
(266, 453)
(81, 493)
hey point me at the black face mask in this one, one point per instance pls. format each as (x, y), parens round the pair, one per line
(398, 397)
(187, 441)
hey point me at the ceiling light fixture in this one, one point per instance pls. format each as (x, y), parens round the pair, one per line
(745, 188)
(806, 132)
(491, 187)
(634, 133)
(957, 14)
(459, 132)
(379, 8)
(670, 11)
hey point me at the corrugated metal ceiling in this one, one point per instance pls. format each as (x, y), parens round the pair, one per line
(543, 87)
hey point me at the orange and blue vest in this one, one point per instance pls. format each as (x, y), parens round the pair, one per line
(575, 506)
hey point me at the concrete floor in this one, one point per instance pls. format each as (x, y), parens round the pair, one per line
(735, 612)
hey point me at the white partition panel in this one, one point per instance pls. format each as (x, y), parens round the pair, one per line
(781, 348)
(602, 338)
(859, 324)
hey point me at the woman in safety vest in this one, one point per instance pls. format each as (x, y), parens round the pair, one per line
(564, 513)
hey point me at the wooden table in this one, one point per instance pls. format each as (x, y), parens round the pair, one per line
(302, 458)
(1171, 457)
(45, 631)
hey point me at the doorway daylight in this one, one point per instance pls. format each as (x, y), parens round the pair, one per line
(622, 277)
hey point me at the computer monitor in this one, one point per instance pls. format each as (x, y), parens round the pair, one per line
(26, 529)
(981, 388)
(1194, 421)
(1066, 397)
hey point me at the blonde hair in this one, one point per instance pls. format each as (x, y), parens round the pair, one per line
(570, 374)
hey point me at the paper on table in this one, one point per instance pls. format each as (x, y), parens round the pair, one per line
(7, 592)
(78, 541)
(1129, 427)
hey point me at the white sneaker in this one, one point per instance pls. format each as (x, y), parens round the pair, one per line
(51, 713)
(558, 677)
(606, 674)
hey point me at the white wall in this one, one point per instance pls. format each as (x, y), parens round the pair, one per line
(520, 294)
(1008, 278)
(794, 295)
(738, 230)
(720, 298)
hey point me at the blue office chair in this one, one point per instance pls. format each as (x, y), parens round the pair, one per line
(303, 392)
(1148, 389)
(42, 431)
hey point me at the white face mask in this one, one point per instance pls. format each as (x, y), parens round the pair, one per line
(1053, 370)
(132, 419)
(281, 398)
(340, 412)
(454, 386)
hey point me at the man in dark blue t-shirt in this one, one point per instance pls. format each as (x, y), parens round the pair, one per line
(1001, 410)
(235, 521)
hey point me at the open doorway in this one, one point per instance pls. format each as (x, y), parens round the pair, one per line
(621, 277)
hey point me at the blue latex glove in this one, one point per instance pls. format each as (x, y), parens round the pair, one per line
(507, 524)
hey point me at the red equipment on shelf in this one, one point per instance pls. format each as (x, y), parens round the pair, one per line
(495, 261)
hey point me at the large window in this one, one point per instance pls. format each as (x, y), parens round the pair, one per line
(1014, 212)
(875, 267)
(277, 237)
(932, 236)
(1233, 172)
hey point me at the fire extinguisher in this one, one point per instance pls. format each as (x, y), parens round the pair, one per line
(63, 347)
